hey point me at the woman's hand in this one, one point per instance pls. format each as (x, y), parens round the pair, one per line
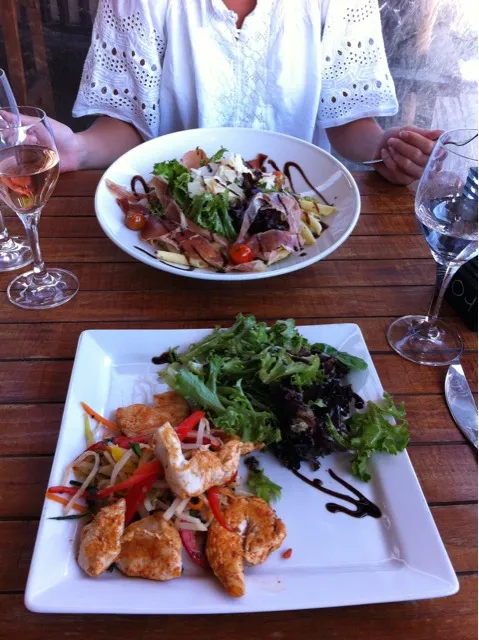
(405, 152)
(67, 145)
(96, 148)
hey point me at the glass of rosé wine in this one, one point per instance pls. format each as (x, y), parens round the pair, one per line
(29, 168)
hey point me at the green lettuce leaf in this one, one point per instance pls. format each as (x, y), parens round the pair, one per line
(242, 419)
(211, 212)
(276, 363)
(178, 178)
(191, 386)
(218, 155)
(352, 362)
(373, 431)
(262, 486)
(170, 170)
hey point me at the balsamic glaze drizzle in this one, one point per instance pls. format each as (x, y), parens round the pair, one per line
(364, 506)
(143, 183)
(287, 173)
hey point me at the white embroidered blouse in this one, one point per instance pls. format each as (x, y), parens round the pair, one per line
(296, 66)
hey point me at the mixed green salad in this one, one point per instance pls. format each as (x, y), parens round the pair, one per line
(271, 385)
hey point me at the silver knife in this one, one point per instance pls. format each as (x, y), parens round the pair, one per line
(461, 403)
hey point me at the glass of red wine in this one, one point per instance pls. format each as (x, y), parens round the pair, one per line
(29, 168)
(15, 251)
(446, 209)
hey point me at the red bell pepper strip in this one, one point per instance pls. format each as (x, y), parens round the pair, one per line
(62, 489)
(188, 538)
(233, 479)
(136, 495)
(183, 429)
(124, 441)
(120, 441)
(98, 446)
(206, 440)
(145, 472)
(213, 496)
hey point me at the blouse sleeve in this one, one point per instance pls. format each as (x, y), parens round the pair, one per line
(122, 72)
(356, 82)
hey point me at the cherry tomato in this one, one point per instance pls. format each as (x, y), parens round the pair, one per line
(135, 220)
(240, 253)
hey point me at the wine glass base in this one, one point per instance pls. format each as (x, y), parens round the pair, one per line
(15, 253)
(415, 339)
(56, 287)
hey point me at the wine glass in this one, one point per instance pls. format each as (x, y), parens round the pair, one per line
(446, 208)
(29, 168)
(15, 252)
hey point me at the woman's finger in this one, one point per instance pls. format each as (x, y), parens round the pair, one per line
(424, 144)
(406, 165)
(432, 134)
(409, 151)
(391, 171)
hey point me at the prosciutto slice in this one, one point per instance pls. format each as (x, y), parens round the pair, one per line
(259, 200)
(288, 204)
(282, 202)
(265, 245)
(120, 192)
(205, 249)
(254, 266)
(160, 185)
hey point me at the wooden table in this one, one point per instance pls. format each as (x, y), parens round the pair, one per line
(384, 270)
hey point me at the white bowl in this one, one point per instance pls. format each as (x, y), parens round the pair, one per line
(326, 173)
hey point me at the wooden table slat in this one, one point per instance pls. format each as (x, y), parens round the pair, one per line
(439, 619)
(223, 304)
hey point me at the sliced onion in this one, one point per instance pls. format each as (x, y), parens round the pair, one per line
(201, 432)
(148, 504)
(181, 507)
(86, 482)
(119, 466)
(109, 457)
(75, 463)
(170, 512)
(191, 526)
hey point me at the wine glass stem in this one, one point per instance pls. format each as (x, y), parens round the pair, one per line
(30, 222)
(3, 231)
(444, 274)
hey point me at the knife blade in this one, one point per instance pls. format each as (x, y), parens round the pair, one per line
(461, 402)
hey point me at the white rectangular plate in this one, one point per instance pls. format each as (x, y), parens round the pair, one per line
(336, 560)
